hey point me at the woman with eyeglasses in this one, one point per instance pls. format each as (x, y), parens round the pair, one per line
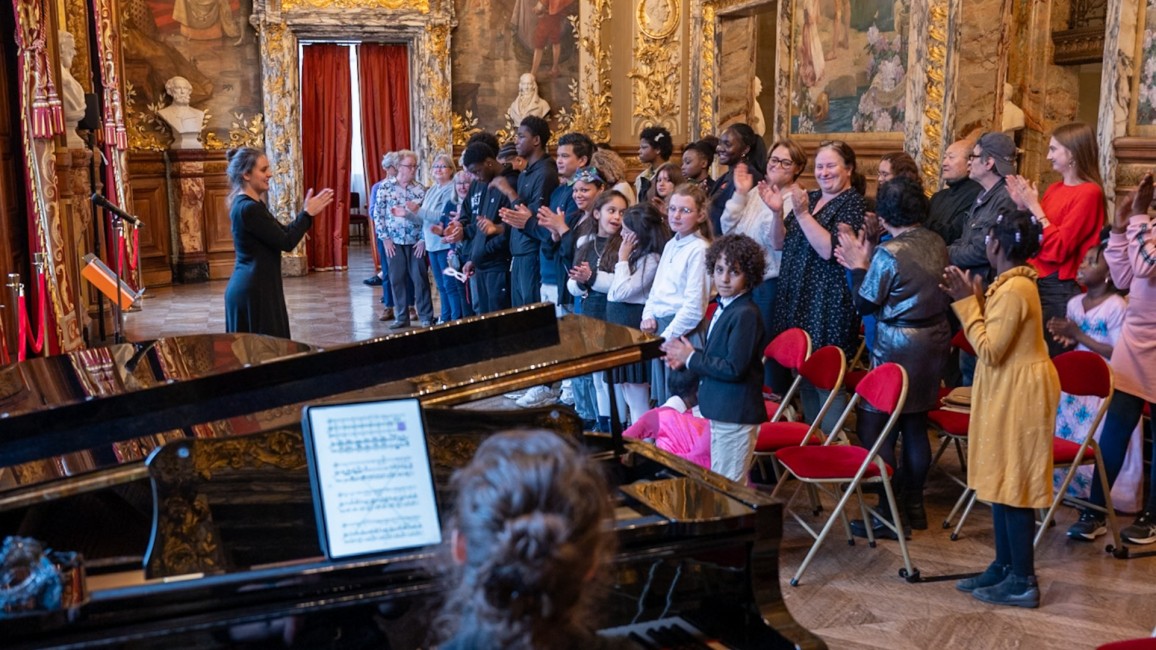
(399, 225)
(756, 210)
(813, 292)
(1072, 213)
(431, 212)
(737, 143)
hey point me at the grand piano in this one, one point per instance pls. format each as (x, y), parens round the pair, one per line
(200, 437)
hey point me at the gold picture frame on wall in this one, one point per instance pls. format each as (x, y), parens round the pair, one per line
(1142, 108)
(657, 19)
(849, 68)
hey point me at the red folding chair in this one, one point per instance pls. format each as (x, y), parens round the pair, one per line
(789, 349)
(841, 469)
(951, 427)
(825, 369)
(1084, 374)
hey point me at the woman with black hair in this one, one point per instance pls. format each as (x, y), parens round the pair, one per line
(897, 281)
(654, 150)
(1015, 397)
(697, 157)
(737, 143)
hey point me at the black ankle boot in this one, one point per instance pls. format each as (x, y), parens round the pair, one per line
(878, 528)
(916, 516)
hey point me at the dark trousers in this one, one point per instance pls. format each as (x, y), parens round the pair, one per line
(406, 271)
(911, 474)
(525, 280)
(493, 290)
(1124, 412)
(1054, 296)
(386, 289)
(1014, 530)
(764, 298)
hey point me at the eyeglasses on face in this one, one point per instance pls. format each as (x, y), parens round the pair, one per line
(973, 156)
(781, 163)
(441, 166)
(832, 143)
(408, 165)
(679, 210)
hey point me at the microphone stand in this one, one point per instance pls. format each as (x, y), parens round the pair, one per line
(96, 234)
(118, 313)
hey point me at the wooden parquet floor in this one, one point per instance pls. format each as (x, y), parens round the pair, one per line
(851, 596)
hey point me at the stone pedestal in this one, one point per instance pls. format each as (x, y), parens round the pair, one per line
(188, 200)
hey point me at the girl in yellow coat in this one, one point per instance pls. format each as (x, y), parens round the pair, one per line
(1014, 402)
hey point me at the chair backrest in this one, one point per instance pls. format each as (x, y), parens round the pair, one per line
(354, 201)
(790, 348)
(960, 341)
(825, 368)
(1084, 373)
(885, 387)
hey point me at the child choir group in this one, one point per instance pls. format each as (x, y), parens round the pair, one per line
(1025, 277)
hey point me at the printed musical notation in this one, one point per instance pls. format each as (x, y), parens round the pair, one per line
(376, 489)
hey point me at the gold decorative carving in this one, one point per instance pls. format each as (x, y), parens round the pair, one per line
(143, 127)
(279, 81)
(590, 93)
(703, 118)
(464, 126)
(657, 19)
(435, 103)
(935, 68)
(655, 86)
(76, 22)
(421, 6)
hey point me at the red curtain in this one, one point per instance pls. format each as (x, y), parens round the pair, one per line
(384, 83)
(326, 142)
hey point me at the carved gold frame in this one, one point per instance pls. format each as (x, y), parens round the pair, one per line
(1134, 128)
(423, 26)
(673, 16)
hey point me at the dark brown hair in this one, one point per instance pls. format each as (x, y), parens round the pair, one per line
(742, 253)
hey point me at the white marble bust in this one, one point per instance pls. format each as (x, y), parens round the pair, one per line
(184, 121)
(527, 102)
(71, 92)
(1013, 116)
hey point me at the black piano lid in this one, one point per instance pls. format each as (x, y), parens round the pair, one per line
(469, 359)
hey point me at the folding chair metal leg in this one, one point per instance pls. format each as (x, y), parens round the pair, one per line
(1117, 548)
(966, 512)
(866, 518)
(959, 503)
(1060, 492)
(821, 536)
(908, 570)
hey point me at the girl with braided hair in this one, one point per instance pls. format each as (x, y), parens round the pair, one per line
(528, 540)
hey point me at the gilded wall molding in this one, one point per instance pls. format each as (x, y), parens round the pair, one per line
(590, 112)
(702, 118)
(76, 23)
(421, 6)
(282, 100)
(1118, 96)
(655, 86)
(432, 86)
(932, 94)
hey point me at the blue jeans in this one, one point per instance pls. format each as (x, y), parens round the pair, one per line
(1124, 412)
(450, 296)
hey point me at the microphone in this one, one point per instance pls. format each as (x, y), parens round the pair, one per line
(107, 205)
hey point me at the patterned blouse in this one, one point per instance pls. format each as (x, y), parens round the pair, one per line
(813, 293)
(401, 230)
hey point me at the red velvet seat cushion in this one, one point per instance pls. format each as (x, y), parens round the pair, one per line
(776, 435)
(1131, 644)
(851, 379)
(950, 421)
(830, 462)
(1064, 451)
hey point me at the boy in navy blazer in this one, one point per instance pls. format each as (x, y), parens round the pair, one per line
(730, 364)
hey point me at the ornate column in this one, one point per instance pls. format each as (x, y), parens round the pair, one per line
(282, 97)
(73, 174)
(187, 201)
(1117, 72)
(932, 87)
(656, 79)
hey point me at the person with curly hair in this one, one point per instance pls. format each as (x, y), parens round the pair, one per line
(730, 363)
(529, 539)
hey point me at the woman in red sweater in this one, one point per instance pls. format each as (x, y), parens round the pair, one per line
(1072, 213)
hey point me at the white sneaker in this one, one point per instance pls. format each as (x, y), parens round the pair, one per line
(537, 396)
(567, 396)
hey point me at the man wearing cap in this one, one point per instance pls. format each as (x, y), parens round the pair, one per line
(949, 207)
(992, 158)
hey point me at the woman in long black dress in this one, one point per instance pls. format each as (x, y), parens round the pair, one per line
(254, 299)
(813, 293)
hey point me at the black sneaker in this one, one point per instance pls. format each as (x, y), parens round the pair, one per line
(1142, 531)
(1089, 527)
(991, 576)
(372, 281)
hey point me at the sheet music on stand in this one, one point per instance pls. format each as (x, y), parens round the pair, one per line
(369, 469)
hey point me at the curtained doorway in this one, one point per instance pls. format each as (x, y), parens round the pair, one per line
(361, 89)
